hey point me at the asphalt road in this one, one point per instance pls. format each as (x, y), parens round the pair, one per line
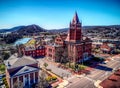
(80, 82)
(101, 72)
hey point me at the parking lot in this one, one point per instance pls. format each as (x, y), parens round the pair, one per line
(54, 68)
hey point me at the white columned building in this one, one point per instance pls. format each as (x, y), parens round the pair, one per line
(19, 69)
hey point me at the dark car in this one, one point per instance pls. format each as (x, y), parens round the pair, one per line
(2, 75)
(1, 82)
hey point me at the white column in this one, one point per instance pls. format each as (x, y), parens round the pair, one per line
(29, 78)
(18, 80)
(34, 76)
(11, 82)
(38, 76)
(23, 80)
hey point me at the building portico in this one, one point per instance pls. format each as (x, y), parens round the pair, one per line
(23, 80)
(22, 71)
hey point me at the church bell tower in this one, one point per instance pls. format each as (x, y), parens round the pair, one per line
(75, 34)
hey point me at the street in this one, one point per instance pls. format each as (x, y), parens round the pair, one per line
(100, 72)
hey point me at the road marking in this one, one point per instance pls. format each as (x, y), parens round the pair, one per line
(90, 79)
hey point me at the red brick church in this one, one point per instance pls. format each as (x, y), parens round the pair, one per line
(79, 47)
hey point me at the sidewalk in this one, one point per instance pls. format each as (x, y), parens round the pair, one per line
(49, 61)
(59, 79)
(63, 84)
(97, 84)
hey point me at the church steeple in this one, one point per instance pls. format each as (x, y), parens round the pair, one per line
(75, 29)
(75, 19)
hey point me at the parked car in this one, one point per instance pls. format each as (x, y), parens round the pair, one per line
(1, 82)
(1, 76)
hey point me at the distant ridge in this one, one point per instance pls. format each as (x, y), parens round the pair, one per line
(35, 28)
(87, 28)
(11, 29)
(24, 30)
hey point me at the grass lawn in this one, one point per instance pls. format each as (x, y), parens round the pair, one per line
(2, 68)
(82, 67)
(72, 65)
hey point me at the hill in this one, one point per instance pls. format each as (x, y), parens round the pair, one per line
(30, 29)
(24, 30)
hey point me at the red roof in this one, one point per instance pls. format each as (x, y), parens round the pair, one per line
(112, 82)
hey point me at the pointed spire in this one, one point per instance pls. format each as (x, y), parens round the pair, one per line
(75, 19)
(70, 23)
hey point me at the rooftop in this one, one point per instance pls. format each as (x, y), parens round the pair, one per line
(112, 81)
(15, 61)
(30, 47)
(54, 45)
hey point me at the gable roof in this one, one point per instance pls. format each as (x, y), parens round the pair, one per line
(15, 61)
(25, 69)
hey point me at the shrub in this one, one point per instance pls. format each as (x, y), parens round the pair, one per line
(48, 78)
(54, 78)
(82, 67)
(2, 68)
(4, 79)
(5, 82)
(45, 64)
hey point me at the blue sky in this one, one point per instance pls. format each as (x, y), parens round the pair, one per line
(55, 14)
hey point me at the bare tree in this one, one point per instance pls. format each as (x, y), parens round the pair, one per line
(19, 49)
(62, 55)
(18, 84)
(42, 81)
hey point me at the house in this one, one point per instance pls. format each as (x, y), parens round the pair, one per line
(33, 48)
(24, 70)
(107, 47)
(34, 51)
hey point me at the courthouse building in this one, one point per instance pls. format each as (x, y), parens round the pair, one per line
(79, 47)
